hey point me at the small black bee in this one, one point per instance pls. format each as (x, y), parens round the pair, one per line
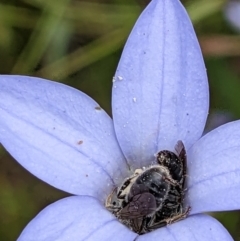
(152, 197)
(172, 209)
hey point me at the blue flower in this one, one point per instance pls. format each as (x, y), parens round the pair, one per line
(232, 14)
(160, 96)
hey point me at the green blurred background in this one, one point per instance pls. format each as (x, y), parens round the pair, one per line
(79, 43)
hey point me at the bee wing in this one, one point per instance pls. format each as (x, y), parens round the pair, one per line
(141, 205)
(181, 151)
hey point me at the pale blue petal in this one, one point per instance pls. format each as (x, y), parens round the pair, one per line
(76, 218)
(214, 170)
(232, 13)
(57, 133)
(160, 89)
(193, 228)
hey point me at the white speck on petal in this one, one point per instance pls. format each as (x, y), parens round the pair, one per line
(134, 99)
(120, 77)
(114, 79)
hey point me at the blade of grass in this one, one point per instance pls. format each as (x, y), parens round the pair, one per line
(40, 38)
(9, 15)
(86, 55)
(199, 10)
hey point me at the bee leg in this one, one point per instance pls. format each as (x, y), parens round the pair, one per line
(153, 225)
(171, 181)
(179, 216)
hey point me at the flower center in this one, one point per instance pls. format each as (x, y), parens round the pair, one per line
(152, 197)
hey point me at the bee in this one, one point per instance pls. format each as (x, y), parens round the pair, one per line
(152, 197)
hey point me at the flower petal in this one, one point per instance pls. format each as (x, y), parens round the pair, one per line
(232, 13)
(60, 135)
(195, 228)
(160, 90)
(75, 218)
(214, 170)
